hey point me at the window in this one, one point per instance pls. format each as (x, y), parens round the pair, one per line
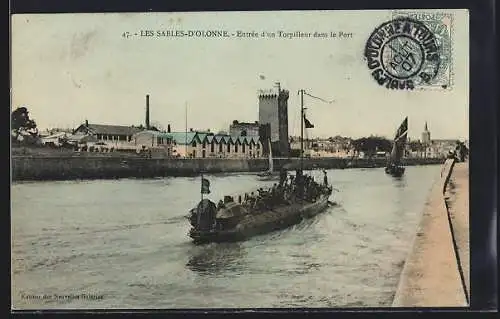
(159, 140)
(212, 146)
(220, 147)
(204, 144)
(258, 146)
(228, 147)
(250, 146)
(236, 148)
(243, 148)
(194, 143)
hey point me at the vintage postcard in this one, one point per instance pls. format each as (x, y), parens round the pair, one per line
(292, 159)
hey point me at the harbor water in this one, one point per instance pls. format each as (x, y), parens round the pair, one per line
(124, 244)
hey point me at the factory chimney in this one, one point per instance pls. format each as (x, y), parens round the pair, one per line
(168, 128)
(147, 111)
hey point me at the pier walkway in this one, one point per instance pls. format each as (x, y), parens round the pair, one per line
(457, 201)
(436, 271)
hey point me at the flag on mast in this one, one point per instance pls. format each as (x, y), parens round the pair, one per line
(307, 123)
(205, 186)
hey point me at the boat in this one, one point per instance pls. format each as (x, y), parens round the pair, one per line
(237, 221)
(236, 218)
(270, 174)
(394, 165)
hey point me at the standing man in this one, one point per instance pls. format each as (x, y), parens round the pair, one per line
(325, 178)
(283, 176)
(299, 182)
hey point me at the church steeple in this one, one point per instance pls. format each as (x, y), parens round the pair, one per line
(426, 135)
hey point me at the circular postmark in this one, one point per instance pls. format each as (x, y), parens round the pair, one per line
(403, 54)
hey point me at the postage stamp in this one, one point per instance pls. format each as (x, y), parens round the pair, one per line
(404, 53)
(441, 24)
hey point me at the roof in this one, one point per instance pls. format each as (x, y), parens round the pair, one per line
(57, 135)
(245, 139)
(82, 138)
(110, 129)
(154, 133)
(445, 140)
(182, 138)
(245, 124)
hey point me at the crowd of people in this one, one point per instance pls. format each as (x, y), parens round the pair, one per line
(289, 189)
(460, 153)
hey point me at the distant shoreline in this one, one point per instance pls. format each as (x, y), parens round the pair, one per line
(65, 167)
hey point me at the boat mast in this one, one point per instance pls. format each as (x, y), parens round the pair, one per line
(186, 135)
(270, 157)
(201, 186)
(301, 128)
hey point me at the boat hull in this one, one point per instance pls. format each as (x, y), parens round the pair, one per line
(264, 222)
(396, 171)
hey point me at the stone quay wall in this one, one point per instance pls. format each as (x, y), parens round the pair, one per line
(431, 275)
(67, 167)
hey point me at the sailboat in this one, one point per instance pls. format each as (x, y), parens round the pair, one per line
(270, 174)
(241, 217)
(394, 166)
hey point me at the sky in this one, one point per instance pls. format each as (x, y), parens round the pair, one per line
(68, 68)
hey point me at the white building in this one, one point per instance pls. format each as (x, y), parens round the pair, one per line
(110, 136)
(206, 145)
(154, 141)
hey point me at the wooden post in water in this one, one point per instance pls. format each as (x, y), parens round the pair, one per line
(201, 190)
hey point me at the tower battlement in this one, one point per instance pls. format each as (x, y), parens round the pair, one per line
(272, 94)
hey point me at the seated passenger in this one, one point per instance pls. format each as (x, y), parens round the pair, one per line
(220, 204)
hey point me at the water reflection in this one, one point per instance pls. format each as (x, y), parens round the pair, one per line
(399, 181)
(217, 259)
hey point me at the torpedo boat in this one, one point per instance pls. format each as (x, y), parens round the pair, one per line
(236, 218)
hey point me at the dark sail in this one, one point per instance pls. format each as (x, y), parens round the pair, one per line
(399, 142)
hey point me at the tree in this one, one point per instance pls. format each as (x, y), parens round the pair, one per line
(416, 146)
(372, 144)
(21, 122)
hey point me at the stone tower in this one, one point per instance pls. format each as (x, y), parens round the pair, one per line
(273, 110)
(426, 135)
